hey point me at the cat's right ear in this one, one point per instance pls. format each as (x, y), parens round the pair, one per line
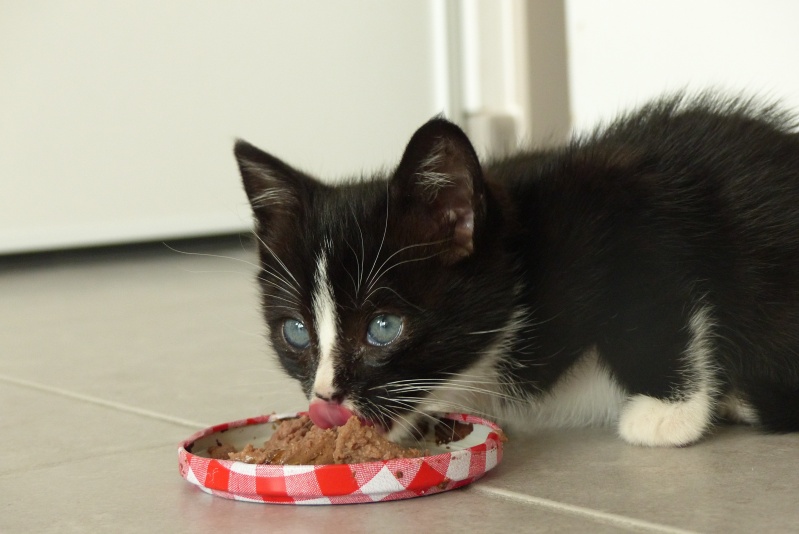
(439, 185)
(275, 189)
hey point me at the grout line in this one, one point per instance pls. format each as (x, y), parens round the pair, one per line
(605, 517)
(103, 402)
(21, 469)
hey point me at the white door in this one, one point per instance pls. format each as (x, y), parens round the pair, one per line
(117, 119)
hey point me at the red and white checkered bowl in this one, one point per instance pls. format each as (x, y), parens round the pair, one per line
(450, 466)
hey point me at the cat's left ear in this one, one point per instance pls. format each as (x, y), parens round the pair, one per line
(278, 193)
(439, 186)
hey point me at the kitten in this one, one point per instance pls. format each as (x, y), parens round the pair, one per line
(646, 275)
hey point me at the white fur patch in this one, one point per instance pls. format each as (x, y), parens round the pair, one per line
(738, 410)
(431, 179)
(475, 390)
(662, 423)
(655, 422)
(324, 310)
(587, 395)
(272, 194)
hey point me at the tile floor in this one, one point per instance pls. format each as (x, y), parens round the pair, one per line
(108, 358)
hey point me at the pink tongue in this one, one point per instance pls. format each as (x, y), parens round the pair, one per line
(328, 414)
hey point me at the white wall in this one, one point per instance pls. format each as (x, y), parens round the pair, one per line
(622, 52)
(117, 119)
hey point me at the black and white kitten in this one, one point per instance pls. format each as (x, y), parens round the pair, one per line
(646, 275)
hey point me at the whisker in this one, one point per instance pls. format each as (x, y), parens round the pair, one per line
(451, 406)
(372, 292)
(206, 255)
(383, 240)
(279, 287)
(194, 271)
(456, 379)
(389, 269)
(456, 387)
(288, 285)
(481, 332)
(384, 413)
(409, 427)
(279, 261)
(287, 301)
(362, 263)
(371, 280)
(357, 267)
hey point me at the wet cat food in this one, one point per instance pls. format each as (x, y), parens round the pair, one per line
(299, 442)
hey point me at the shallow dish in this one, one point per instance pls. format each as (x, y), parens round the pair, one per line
(449, 466)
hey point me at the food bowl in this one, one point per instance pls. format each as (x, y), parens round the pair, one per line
(448, 466)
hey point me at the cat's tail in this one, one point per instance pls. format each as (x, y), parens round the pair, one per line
(777, 405)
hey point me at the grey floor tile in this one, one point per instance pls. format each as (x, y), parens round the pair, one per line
(81, 467)
(737, 480)
(42, 429)
(101, 351)
(141, 491)
(164, 331)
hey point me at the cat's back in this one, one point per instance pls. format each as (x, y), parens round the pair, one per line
(676, 134)
(728, 161)
(688, 197)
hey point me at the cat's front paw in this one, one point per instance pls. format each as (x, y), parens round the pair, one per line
(654, 422)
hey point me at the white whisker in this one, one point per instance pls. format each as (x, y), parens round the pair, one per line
(455, 387)
(383, 240)
(288, 286)
(448, 404)
(412, 260)
(362, 262)
(403, 299)
(296, 284)
(202, 254)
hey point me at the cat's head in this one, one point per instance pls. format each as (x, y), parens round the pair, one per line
(388, 297)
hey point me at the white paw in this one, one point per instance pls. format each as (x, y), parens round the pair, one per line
(653, 422)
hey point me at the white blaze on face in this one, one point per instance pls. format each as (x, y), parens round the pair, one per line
(324, 310)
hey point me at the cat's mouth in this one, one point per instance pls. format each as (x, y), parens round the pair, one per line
(325, 414)
(329, 414)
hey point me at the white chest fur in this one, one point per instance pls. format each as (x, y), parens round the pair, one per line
(587, 395)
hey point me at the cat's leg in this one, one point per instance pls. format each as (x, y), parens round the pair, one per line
(734, 408)
(672, 382)
(774, 404)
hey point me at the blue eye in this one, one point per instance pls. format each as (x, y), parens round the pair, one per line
(296, 334)
(384, 329)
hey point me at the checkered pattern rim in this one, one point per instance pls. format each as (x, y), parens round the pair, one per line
(343, 483)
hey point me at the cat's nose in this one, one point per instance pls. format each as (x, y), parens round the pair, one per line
(335, 397)
(327, 414)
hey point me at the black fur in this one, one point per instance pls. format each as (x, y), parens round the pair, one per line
(613, 242)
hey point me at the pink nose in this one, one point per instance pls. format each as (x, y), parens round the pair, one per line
(328, 414)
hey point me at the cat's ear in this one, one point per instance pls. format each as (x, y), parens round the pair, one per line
(276, 191)
(439, 184)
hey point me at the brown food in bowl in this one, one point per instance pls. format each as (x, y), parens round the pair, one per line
(448, 430)
(299, 442)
